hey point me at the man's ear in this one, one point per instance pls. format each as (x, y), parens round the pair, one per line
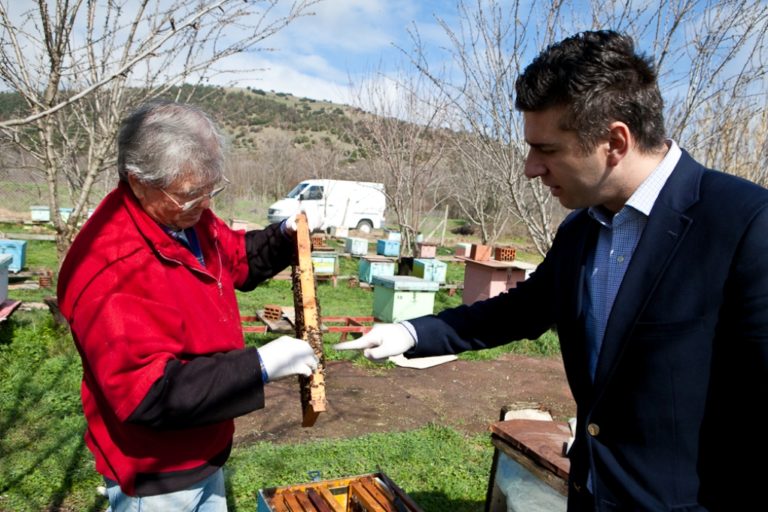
(619, 141)
(137, 187)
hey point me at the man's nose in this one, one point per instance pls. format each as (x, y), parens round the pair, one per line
(533, 168)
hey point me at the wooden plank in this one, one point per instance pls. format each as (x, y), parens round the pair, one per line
(380, 497)
(304, 501)
(278, 504)
(319, 501)
(358, 493)
(7, 307)
(307, 323)
(541, 441)
(291, 503)
(331, 499)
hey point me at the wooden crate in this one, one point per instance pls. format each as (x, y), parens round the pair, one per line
(373, 492)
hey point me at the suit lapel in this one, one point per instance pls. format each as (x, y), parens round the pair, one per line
(666, 228)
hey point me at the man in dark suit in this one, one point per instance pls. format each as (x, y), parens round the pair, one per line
(657, 285)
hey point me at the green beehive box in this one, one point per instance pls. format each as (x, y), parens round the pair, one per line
(430, 269)
(397, 298)
(325, 264)
(372, 266)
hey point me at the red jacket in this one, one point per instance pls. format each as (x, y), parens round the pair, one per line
(157, 329)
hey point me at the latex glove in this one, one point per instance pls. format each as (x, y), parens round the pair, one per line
(313, 222)
(381, 342)
(287, 356)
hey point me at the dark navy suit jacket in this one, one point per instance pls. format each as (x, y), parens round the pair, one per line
(673, 418)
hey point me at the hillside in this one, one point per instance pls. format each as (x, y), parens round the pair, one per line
(245, 114)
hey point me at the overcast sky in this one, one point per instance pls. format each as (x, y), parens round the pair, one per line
(317, 56)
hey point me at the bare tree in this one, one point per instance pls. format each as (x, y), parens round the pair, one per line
(477, 196)
(79, 64)
(485, 51)
(712, 58)
(401, 134)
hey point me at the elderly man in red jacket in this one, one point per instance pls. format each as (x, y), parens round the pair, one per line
(148, 288)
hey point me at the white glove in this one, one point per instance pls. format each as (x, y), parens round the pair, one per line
(381, 342)
(313, 222)
(287, 356)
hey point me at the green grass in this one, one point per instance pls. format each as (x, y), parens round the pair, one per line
(44, 464)
(443, 470)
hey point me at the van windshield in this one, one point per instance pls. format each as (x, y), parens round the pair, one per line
(297, 190)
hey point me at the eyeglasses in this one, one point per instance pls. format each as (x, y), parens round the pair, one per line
(188, 205)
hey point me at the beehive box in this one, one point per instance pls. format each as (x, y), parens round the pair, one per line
(388, 247)
(463, 249)
(356, 246)
(339, 232)
(325, 264)
(430, 269)
(392, 235)
(365, 493)
(426, 250)
(398, 298)
(65, 213)
(5, 262)
(372, 266)
(18, 251)
(40, 213)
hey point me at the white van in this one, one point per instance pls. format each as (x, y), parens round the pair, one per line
(351, 204)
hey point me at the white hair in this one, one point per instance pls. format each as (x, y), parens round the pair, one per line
(162, 140)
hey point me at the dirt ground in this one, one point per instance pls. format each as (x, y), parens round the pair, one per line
(465, 395)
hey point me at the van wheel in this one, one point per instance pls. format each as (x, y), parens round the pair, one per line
(365, 226)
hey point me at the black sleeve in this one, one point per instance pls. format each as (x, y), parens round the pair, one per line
(268, 251)
(205, 390)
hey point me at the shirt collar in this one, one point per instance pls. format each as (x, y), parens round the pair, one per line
(643, 199)
(646, 194)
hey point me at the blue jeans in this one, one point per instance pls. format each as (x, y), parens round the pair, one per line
(207, 495)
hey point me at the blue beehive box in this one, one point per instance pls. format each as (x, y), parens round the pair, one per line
(388, 247)
(373, 266)
(18, 251)
(430, 269)
(397, 298)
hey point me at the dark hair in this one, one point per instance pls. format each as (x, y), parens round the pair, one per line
(161, 140)
(598, 78)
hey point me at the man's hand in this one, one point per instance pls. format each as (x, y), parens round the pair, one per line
(287, 356)
(381, 342)
(313, 222)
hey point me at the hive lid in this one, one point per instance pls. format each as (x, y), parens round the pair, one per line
(406, 283)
